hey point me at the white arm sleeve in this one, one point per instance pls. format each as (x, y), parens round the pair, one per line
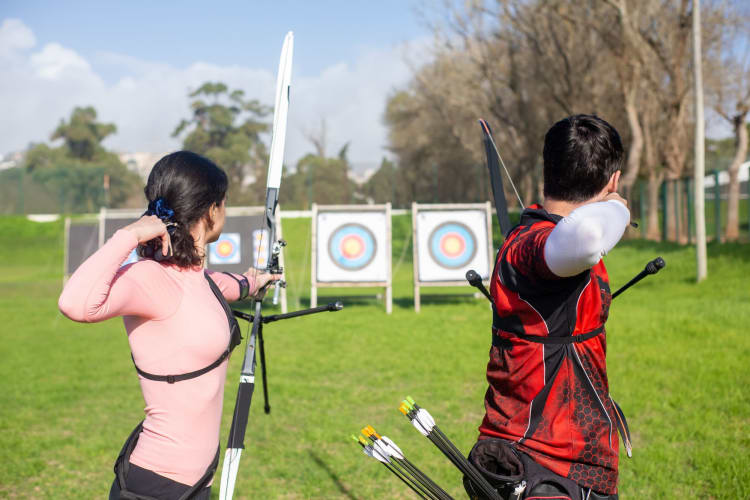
(585, 236)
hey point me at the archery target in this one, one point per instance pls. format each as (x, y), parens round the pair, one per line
(450, 242)
(351, 251)
(225, 250)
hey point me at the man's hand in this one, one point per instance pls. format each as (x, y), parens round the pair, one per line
(616, 197)
(149, 227)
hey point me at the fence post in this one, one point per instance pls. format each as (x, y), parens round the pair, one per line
(689, 194)
(677, 211)
(644, 218)
(717, 205)
(665, 210)
(481, 186)
(435, 183)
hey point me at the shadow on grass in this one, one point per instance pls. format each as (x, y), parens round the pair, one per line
(400, 302)
(334, 477)
(436, 299)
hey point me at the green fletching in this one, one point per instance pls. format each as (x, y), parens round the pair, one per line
(410, 400)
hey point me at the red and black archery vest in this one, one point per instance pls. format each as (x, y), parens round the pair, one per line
(548, 388)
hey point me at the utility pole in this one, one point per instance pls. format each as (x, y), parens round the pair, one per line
(700, 154)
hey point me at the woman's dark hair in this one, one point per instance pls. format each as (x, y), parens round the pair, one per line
(581, 153)
(188, 184)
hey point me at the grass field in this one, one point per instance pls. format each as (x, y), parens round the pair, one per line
(678, 365)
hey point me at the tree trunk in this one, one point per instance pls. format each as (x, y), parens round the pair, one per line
(654, 181)
(669, 211)
(528, 190)
(636, 146)
(733, 201)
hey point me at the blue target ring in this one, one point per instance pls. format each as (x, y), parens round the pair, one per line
(352, 246)
(452, 245)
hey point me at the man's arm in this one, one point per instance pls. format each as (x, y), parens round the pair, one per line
(582, 238)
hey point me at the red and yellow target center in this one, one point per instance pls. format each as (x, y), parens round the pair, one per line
(452, 245)
(224, 248)
(352, 247)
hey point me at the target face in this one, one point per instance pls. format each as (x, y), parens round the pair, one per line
(352, 246)
(449, 242)
(225, 250)
(452, 245)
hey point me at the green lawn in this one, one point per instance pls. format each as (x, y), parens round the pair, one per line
(678, 365)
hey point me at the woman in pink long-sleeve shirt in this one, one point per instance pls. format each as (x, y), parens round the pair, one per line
(176, 323)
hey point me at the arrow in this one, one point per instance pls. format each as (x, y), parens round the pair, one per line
(370, 451)
(425, 424)
(388, 448)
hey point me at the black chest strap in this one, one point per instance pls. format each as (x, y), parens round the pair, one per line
(498, 324)
(234, 340)
(498, 341)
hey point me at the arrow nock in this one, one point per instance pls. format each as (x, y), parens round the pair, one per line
(404, 409)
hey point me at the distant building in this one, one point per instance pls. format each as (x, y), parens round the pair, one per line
(361, 171)
(11, 160)
(140, 162)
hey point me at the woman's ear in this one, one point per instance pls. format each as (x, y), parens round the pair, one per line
(211, 216)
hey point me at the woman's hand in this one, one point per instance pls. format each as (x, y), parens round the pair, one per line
(149, 227)
(262, 279)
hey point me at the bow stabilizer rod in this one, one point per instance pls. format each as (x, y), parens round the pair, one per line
(476, 281)
(330, 307)
(652, 267)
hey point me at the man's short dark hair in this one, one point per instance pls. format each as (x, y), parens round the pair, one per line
(581, 153)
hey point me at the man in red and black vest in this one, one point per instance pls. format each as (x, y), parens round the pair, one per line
(548, 395)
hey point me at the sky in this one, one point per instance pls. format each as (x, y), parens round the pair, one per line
(136, 62)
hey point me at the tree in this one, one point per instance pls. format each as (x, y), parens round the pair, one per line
(227, 128)
(320, 179)
(728, 89)
(80, 169)
(386, 185)
(524, 64)
(82, 134)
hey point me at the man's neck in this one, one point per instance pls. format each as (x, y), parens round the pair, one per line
(561, 208)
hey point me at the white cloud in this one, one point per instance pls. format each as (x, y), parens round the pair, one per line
(54, 61)
(14, 35)
(41, 86)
